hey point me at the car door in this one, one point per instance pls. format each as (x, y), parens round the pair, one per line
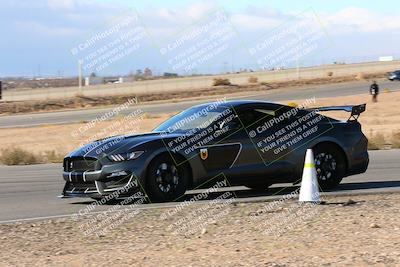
(265, 157)
(242, 155)
(237, 154)
(221, 154)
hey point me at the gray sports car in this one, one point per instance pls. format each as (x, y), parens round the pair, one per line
(249, 143)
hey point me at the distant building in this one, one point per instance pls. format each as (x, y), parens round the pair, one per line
(93, 80)
(170, 75)
(386, 58)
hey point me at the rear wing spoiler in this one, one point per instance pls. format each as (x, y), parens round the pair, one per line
(355, 110)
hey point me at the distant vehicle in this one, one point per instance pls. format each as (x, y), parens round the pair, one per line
(394, 76)
(164, 173)
(170, 75)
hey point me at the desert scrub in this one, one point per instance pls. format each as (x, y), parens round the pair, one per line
(252, 79)
(360, 76)
(18, 156)
(395, 140)
(221, 81)
(376, 141)
(53, 157)
(147, 115)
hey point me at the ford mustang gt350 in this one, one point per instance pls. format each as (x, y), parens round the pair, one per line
(250, 143)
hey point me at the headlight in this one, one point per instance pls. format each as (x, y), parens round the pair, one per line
(125, 156)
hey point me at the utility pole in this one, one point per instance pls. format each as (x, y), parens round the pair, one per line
(80, 77)
(298, 69)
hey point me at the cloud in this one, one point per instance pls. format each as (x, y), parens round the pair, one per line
(67, 17)
(57, 25)
(177, 18)
(61, 4)
(57, 18)
(347, 20)
(252, 22)
(40, 29)
(355, 19)
(199, 10)
(166, 22)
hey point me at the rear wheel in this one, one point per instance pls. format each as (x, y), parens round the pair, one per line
(330, 164)
(166, 181)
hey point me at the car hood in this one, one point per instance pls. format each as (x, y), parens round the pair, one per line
(118, 144)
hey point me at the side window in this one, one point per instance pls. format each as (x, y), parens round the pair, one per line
(252, 116)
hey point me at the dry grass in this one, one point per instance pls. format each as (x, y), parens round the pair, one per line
(360, 76)
(252, 79)
(10, 107)
(52, 157)
(147, 115)
(18, 156)
(221, 81)
(395, 140)
(376, 141)
(36, 141)
(382, 117)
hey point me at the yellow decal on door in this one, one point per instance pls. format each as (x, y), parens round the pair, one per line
(203, 153)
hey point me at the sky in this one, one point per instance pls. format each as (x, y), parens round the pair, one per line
(38, 37)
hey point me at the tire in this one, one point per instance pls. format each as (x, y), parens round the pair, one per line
(165, 180)
(259, 186)
(330, 165)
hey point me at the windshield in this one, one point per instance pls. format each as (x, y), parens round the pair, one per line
(194, 118)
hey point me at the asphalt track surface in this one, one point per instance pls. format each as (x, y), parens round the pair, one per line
(318, 91)
(30, 192)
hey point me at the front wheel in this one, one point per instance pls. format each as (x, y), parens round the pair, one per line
(165, 180)
(330, 164)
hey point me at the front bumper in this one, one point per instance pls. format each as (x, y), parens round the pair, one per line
(79, 188)
(117, 178)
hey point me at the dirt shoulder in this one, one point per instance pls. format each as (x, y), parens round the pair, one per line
(380, 118)
(339, 233)
(59, 140)
(14, 107)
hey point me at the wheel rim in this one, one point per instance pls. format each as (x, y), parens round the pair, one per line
(167, 177)
(326, 166)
